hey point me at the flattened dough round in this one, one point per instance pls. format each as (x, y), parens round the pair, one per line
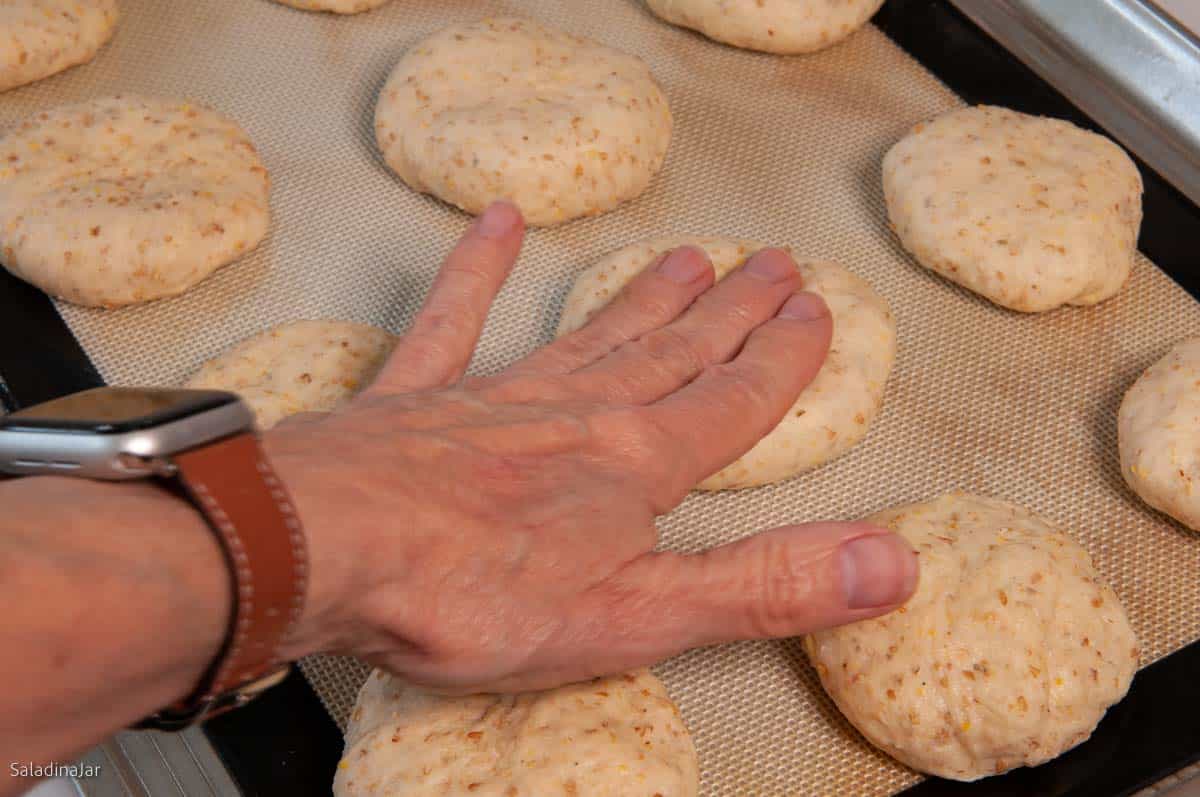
(304, 366)
(127, 199)
(336, 6)
(834, 411)
(772, 26)
(510, 109)
(611, 737)
(1032, 213)
(39, 38)
(1008, 654)
(1158, 433)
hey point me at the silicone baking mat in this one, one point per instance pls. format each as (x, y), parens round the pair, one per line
(782, 150)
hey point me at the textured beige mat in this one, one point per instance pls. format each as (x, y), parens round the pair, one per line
(775, 149)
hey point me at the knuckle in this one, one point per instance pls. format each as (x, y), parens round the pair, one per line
(479, 384)
(449, 326)
(744, 390)
(525, 389)
(506, 475)
(671, 349)
(576, 347)
(633, 438)
(651, 460)
(731, 312)
(469, 273)
(657, 458)
(615, 388)
(740, 315)
(429, 353)
(780, 591)
(650, 302)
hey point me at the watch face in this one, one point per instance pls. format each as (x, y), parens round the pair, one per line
(114, 410)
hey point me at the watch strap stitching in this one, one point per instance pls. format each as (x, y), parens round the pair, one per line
(217, 477)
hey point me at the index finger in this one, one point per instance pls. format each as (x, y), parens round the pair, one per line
(726, 410)
(436, 350)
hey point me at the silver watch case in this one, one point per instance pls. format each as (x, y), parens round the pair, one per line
(122, 455)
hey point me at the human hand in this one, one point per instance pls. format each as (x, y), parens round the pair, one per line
(498, 533)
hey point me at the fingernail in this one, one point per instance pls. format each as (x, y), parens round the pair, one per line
(683, 265)
(772, 265)
(804, 306)
(877, 571)
(498, 219)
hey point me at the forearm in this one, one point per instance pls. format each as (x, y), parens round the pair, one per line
(116, 598)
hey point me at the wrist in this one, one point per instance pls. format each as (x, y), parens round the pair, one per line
(312, 483)
(156, 605)
(194, 571)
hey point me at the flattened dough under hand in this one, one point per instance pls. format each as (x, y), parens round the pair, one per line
(127, 199)
(39, 38)
(1029, 212)
(611, 737)
(773, 26)
(304, 366)
(1008, 654)
(834, 411)
(510, 109)
(1158, 433)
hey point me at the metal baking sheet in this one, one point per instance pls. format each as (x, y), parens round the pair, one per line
(1132, 66)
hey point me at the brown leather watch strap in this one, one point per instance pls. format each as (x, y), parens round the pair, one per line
(238, 492)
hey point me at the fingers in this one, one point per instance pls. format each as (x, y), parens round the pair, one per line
(785, 582)
(437, 348)
(711, 331)
(653, 298)
(731, 406)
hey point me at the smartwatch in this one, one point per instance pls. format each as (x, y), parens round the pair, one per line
(204, 444)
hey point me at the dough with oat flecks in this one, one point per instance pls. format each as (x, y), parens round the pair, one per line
(304, 366)
(510, 109)
(1158, 434)
(126, 199)
(1029, 212)
(773, 26)
(39, 38)
(609, 737)
(1008, 654)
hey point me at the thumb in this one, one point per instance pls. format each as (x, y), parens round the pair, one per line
(785, 582)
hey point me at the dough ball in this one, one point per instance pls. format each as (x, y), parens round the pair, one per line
(1158, 433)
(336, 6)
(1032, 213)
(126, 199)
(611, 737)
(834, 411)
(39, 38)
(510, 109)
(304, 366)
(1008, 654)
(773, 26)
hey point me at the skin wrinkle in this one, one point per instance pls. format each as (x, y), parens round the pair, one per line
(782, 587)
